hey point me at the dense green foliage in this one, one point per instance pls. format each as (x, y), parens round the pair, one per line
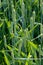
(21, 32)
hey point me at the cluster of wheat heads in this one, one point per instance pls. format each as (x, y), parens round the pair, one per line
(21, 32)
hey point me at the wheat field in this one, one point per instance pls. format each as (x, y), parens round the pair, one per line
(21, 32)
